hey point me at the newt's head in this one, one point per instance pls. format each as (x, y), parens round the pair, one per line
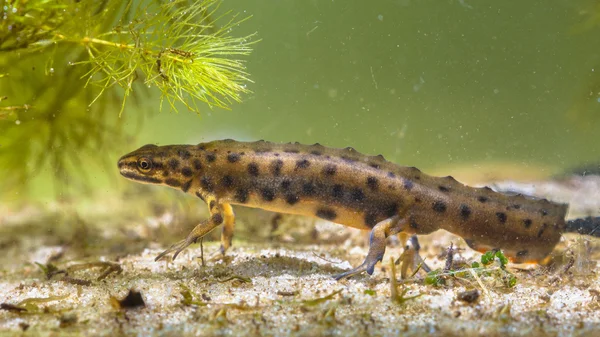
(171, 165)
(144, 165)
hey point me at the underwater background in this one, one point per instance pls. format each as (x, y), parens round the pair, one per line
(501, 93)
(429, 84)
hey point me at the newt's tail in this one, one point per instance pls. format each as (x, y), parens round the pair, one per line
(585, 226)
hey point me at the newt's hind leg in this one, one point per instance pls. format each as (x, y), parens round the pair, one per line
(379, 233)
(410, 257)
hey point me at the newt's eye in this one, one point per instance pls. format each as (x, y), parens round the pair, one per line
(144, 164)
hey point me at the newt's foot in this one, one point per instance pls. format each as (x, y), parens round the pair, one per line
(410, 260)
(177, 248)
(379, 233)
(363, 267)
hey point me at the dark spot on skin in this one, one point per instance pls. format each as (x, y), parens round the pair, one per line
(516, 206)
(417, 177)
(302, 164)
(212, 204)
(267, 194)
(184, 154)
(201, 147)
(253, 169)
(373, 183)
(348, 159)
(541, 231)
(157, 165)
(482, 200)
(211, 157)
(276, 154)
(173, 163)
(413, 223)
(186, 186)
(501, 217)
(375, 166)
(276, 167)
(286, 183)
(407, 184)
(315, 153)
(291, 199)
(199, 196)
(417, 200)
(357, 195)
(465, 211)
(439, 206)
(337, 191)
(527, 223)
(173, 182)
(330, 170)
(165, 173)
(241, 195)
(308, 188)
(390, 209)
(217, 218)
(227, 181)
(444, 189)
(522, 253)
(291, 151)
(207, 184)
(233, 157)
(197, 164)
(187, 172)
(391, 174)
(371, 219)
(326, 213)
(543, 212)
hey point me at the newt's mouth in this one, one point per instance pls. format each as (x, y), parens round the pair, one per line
(140, 178)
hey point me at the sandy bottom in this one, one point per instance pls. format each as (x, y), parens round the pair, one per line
(276, 280)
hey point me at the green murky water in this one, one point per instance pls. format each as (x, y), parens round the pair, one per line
(425, 83)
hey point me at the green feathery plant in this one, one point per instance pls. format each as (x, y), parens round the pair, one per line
(67, 67)
(184, 56)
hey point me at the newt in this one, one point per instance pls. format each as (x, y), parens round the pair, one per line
(352, 189)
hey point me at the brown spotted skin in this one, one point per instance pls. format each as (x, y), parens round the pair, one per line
(349, 188)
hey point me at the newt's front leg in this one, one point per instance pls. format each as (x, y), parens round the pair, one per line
(218, 214)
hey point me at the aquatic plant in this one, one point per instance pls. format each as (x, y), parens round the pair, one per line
(68, 69)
